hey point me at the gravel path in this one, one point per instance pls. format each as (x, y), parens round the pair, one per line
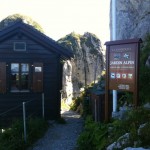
(62, 136)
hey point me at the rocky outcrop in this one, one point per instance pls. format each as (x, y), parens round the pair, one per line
(132, 18)
(87, 65)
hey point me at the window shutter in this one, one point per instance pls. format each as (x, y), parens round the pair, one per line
(38, 77)
(2, 77)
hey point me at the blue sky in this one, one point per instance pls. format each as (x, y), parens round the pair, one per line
(61, 17)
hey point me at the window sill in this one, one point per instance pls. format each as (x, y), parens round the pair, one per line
(19, 91)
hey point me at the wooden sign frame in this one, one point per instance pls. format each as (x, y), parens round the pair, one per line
(122, 69)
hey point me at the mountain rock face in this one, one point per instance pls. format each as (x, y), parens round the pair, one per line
(85, 67)
(132, 18)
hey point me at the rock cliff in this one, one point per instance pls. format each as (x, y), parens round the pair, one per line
(86, 66)
(132, 18)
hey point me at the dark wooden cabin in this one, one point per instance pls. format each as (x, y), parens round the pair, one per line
(30, 64)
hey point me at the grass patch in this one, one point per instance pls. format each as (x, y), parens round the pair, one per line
(13, 138)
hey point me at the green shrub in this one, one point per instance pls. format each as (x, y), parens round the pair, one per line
(84, 101)
(97, 136)
(134, 118)
(76, 103)
(144, 84)
(144, 136)
(13, 137)
(126, 98)
(94, 136)
(145, 72)
(138, 116)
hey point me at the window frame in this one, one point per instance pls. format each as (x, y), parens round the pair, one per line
(20, 72)
(20, 50)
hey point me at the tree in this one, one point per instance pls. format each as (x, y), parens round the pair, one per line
(18, 17)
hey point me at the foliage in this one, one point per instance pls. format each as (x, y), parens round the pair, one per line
(97, 136)
(76, 102)
(145, 51)
(94, 136)
(18, 17)
(134, 119)
(13, 138)
(35, 129)
(144, 136)
(82, 100)
(72, 40)
(125, 99)
(145, 84)
(145, 72)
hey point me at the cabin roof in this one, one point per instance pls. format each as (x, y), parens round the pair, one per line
(22, 28)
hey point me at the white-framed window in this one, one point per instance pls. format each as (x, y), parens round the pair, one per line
(19, 46)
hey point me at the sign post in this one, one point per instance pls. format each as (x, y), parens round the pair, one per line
(122, 69)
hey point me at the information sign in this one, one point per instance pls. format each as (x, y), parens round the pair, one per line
(122, 64)
(122, 69)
